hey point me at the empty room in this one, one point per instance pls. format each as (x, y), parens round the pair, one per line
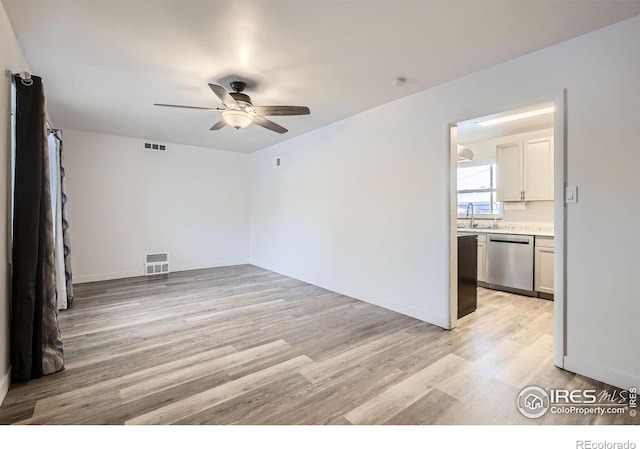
(332, 213)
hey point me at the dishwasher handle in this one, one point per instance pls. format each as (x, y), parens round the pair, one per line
(522, 240)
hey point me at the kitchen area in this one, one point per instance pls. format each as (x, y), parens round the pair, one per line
(505, 205)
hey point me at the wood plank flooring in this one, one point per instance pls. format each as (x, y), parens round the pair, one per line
(242, 345)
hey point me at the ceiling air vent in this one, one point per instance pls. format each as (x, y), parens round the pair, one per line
(156, 263)
(154, 146)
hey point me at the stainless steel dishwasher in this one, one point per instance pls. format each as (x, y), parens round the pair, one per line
(510, 261)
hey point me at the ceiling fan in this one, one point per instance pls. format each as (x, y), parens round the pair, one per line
(239, 112)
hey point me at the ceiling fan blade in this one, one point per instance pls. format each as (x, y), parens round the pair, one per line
(266, 123)
(218, 125)
(223, 95)
(187, 107)
(281, 110)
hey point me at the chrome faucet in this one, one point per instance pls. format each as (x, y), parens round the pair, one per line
(472, 214)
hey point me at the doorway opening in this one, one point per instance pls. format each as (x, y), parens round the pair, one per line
(507, 221)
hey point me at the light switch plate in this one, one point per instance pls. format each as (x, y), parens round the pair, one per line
(570, 195)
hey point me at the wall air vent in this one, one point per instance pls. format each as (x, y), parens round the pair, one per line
(154, 146)
(156, 263)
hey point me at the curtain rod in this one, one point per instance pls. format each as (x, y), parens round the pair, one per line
(25, 77)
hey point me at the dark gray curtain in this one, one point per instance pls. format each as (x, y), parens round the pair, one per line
(36, 348)
(65, 224)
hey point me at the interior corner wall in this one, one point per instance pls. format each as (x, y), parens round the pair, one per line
(361, 206)
(125, 201)
(12, 59)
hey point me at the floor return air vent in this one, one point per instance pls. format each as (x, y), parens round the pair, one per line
(156, 263)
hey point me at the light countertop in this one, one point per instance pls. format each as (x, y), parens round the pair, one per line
(537, 231)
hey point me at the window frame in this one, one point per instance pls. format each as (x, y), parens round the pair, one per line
(481, 216)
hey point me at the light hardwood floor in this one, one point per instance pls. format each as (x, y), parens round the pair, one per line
(248, 346)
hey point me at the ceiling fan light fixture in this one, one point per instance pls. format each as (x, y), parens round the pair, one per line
(237, 119)
(239, 112)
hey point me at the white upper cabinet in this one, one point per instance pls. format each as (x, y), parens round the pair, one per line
(509, 172)
(525, 170)
(538, 170)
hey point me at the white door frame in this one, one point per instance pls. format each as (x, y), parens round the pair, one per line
(560, 218)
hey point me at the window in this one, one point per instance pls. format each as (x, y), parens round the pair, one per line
(477, 185)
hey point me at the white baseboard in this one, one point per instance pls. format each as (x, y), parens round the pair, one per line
(385, 303)
(602, 373)
(5, 383)
(213, 264)
(84, 278)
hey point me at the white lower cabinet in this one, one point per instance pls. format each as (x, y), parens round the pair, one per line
(544, 254)
(482, 257)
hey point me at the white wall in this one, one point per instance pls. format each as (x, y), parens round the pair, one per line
(361, 206)
(11, 58)
(125, 201)
(531, 211)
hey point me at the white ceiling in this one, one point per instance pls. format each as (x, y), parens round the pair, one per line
(105, 62)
